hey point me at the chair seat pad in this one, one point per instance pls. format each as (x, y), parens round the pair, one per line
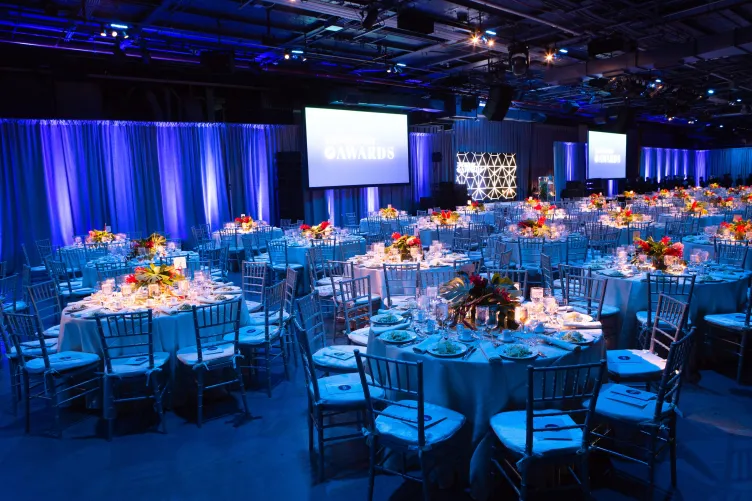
(325, 291)
(282, 267)
(33, 348)
(360, 336)
(642, 318)
(511, 428)
(258, 318)
(449, 422)
(606, 311)
(63, 361)
(189, 355)
(328, 280)
(126, 366)
(53, 331)
(606, 406)
(733, 321)
(253, 306)
(323, 359)
(85, 291)
(20, 306)
(634, 364)
(38, 269)
(343, 390)
(253, 335)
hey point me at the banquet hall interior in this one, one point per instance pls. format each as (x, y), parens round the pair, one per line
(376, 249)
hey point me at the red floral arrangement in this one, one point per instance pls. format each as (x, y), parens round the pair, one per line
(445, 217)
(243, 220)
(657, 250)
(404, 243)
(318, 231)
(738, 228)
(535, 227)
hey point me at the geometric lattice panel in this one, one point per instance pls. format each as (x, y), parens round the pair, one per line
(488, 176)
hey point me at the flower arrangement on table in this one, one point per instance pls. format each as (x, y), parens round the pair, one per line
(162, 275)
(246, 223)
(657, 250)
(714, 186)
(708, 193)
(317, 232)
(651, 200)
(723, 202)
(445, 217)
(534, 227)
(664, 193)
(736, 230)
(597, 201)
(532, 201)
(681, 193)
(696, 207)
(545, 209)
(629, 194)
(625, 217)
(389, 213)
(465, 293)
(476, 206)
(746, 198)
(404, 243)
(100, 236)
(147, 247)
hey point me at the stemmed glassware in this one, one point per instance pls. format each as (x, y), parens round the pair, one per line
(492, 321)
(481, 316)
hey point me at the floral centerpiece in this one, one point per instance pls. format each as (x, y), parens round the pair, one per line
(696, 207)
(245, 222)
(746, 198)
(476, 206)
(545, 209)
(162, 275)
(664, 193)
(656, 251)
(404, 243)
(736, 229)
(714, 186)
(681, 193)
(630, 194)
(317, 232)
(465, 293)
(723, 202)
(534, 227)
(147, 247)
(100, 236)
(651, 200)
(597, 201)
(389, 213)
(445, 217)
(708, 193)
(532, 201)
(625, 217)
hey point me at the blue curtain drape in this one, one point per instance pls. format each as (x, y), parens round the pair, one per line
(735, 161)
(63, 178)
(664, 162)
(569, 163)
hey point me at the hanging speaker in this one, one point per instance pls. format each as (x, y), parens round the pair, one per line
(499, 100)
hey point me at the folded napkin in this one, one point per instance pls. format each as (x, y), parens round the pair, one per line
(87, 313)
(612, 273)
(583, 325)
(393, 311)
(167, 310)
(564, 345)
(332, 352)
(426, 343)
(379, 330)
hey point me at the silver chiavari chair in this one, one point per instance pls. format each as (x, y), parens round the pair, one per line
(585, 294)
(47, 306)
(128, 348)
(9, 300)
(67, 288)
(357, 306)
(553, 430)
(731, 252)
(434, 278)
(253, 282)
(516, 275)
(113, 270)
(732, 331)
(401, 283)
(679, 287)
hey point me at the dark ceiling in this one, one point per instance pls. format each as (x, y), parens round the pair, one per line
(687, 62)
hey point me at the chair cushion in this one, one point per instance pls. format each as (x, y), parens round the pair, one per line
(359, 337)
(253, 335)
(63, 361)
(189, 355)
(253, 306)
(733, 321)
(282, 267)
(640, 412)
(53, 331)
(20, 306)
(77, 292)
(129, 367)
(343, 390)
(606, 311)
(635, 364)
(328, 280)
(448, 422)
(323, 359)
(363, 301)
(258, 318)
(33, 348)
(511, 428)
(325, 290)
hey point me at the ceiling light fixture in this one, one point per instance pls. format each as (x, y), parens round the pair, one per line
(519, 59)
(491, 32)
(564, 51)
(658, 80)
(738, 100)
(549, 57)
(114, 33)
(711, 92)
(491, 43)
(287, 54)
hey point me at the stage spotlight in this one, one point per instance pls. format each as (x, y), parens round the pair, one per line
(658, 80)
(103, 32)
(711, 92)
(491, 43)
(371, 17)
(549, 57)
(389, 68)
(721, 126)
(738, 100)
(475, 39)
(287, 54)
(564, 51)
(519, 59)
(491, 32)
(114, 33)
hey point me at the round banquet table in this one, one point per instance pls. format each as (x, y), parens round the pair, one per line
(364, 224)
(297, 254)
(559, 246)
(707, 220)
(276, 233)
(700, 242)
(630, 295)
(378, 284)
(89, 272)
(479, 389)
(170, 333)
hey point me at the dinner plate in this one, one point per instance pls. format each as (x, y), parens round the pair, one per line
(433, 351)
(381, 319)
(588, 338)
(502, 351)
(569, 317)
(389, 337)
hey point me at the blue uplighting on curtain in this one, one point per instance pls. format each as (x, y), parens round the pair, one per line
(667, 162)
(735, 161)
(569, 163)
(63, 178)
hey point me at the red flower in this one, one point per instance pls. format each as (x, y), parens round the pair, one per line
(436, 213)
(541, 221)
(304, 227)
(446, 214)
(666, 240)
(478, 281)
(131, 279)
(237, 220)
(724, 224)
(538, 207)
(552, 207)
(149, 244)
(413, 241)
(396, 236)
(324, 225)
(627, 213)
(475, 204)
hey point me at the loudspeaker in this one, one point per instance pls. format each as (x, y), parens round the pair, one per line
(290, 185)
(499, 99)
(436, 157)
(624, 119)
(468, 103)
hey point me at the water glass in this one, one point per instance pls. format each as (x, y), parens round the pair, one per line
(536, 294)
(481, 316)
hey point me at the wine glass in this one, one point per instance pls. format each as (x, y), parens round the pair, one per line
(481, 316)
(492, 321)
(536, 294)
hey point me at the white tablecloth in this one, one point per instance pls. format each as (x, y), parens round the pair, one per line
(630, 295)
(479, 389)
(692, 244)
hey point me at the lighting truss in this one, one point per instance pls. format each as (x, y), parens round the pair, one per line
(488, 176)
